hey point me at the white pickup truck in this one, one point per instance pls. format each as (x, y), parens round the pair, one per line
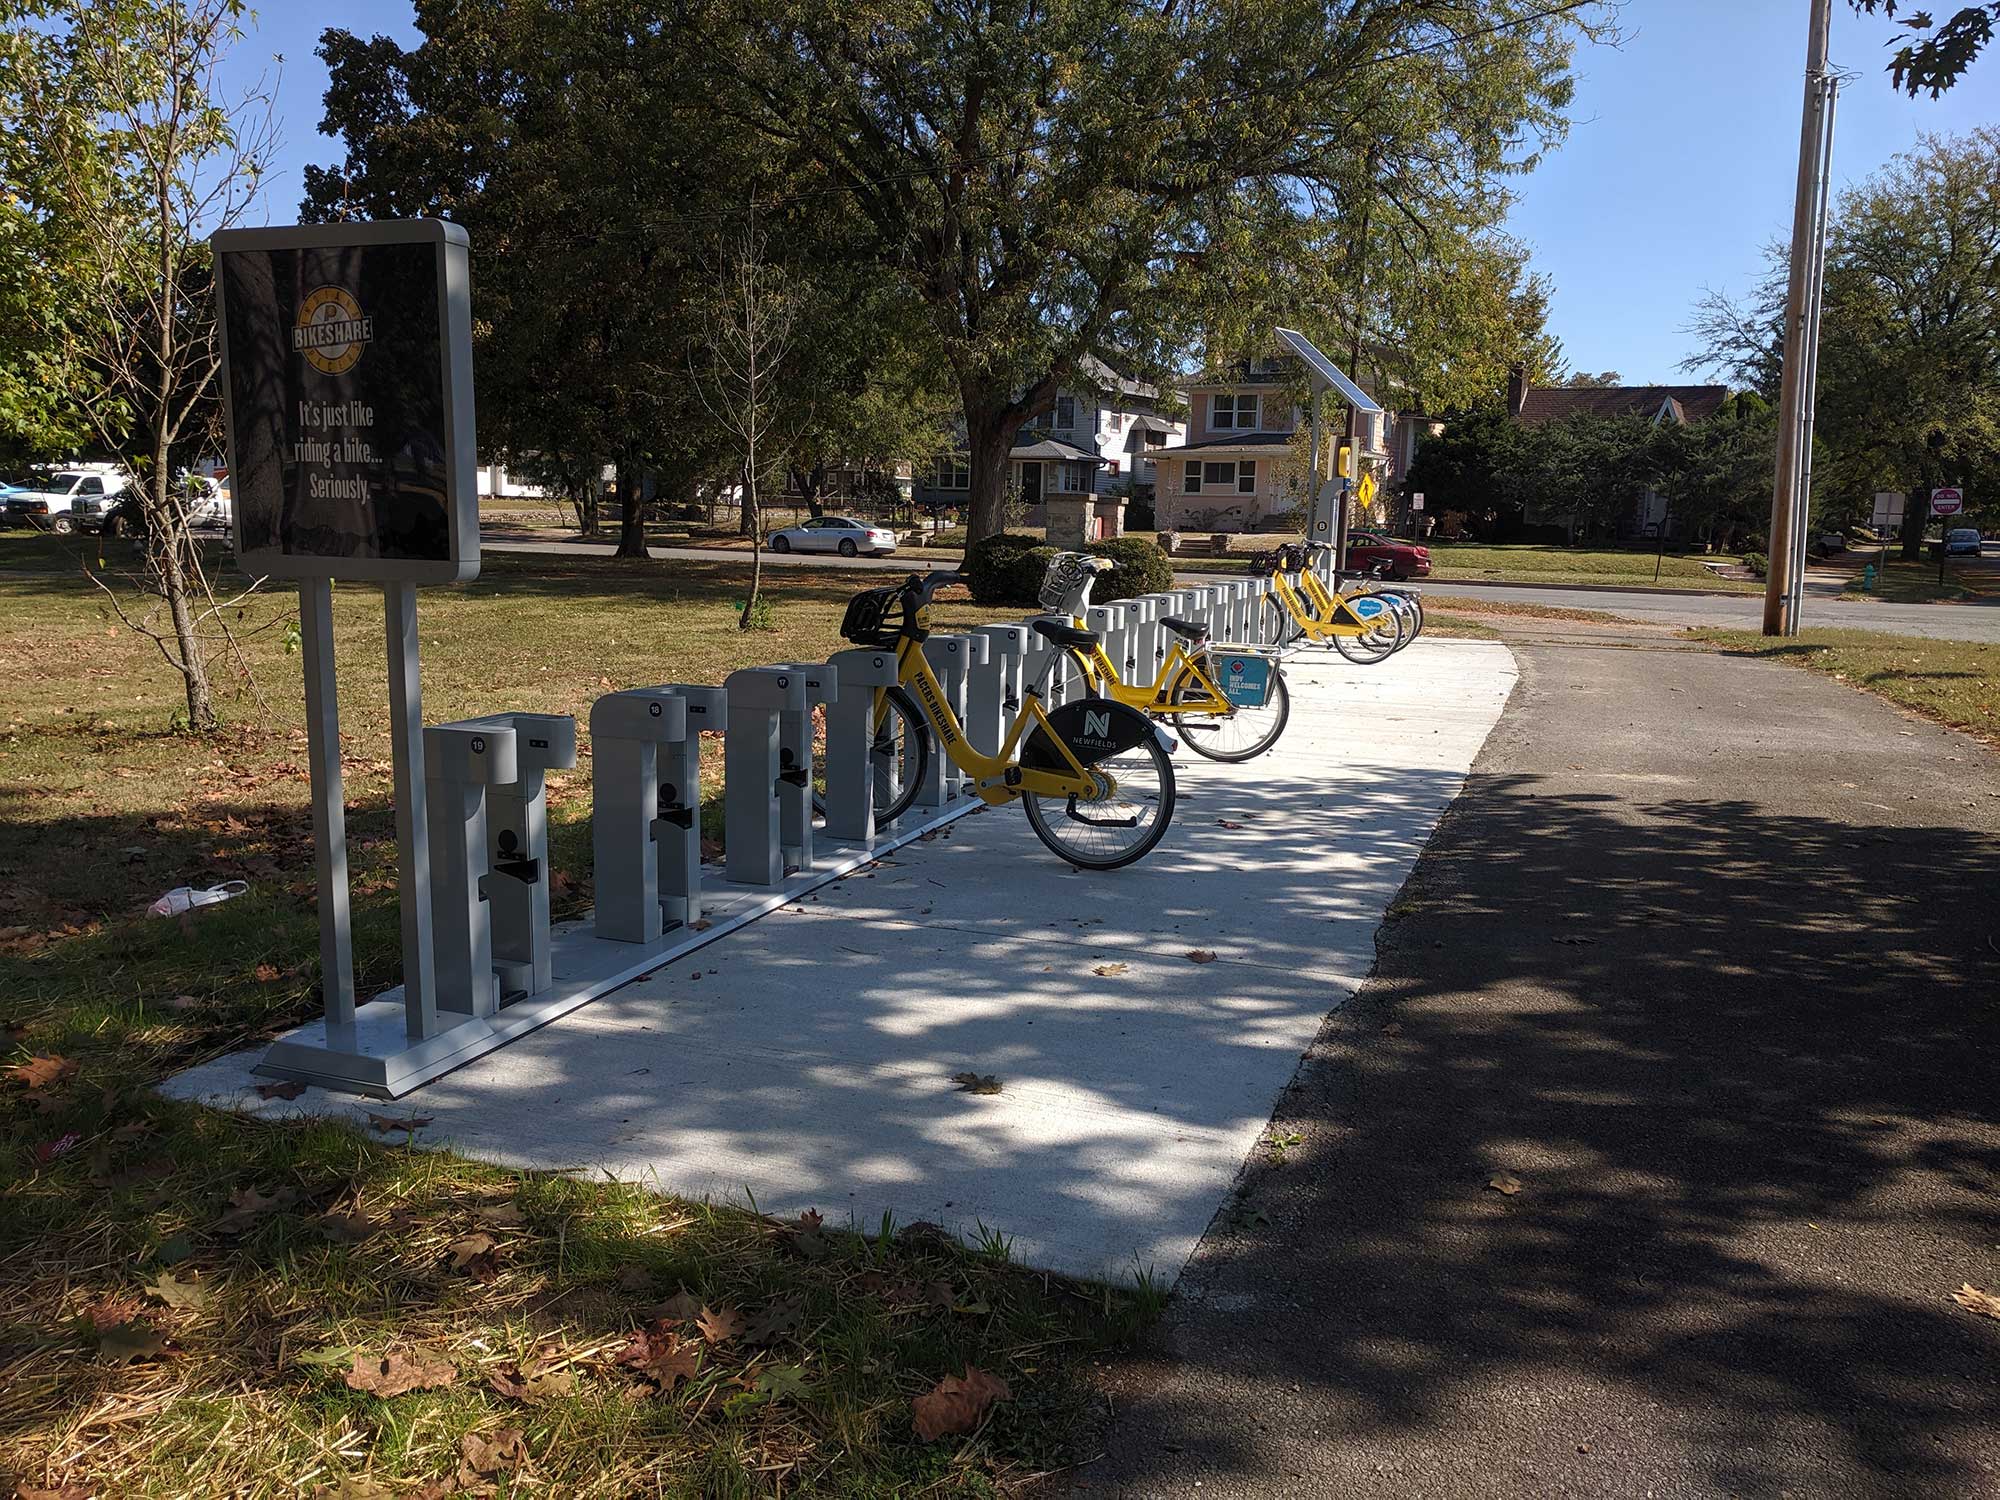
(67, 500)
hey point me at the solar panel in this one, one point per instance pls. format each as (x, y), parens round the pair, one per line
(1323, 369)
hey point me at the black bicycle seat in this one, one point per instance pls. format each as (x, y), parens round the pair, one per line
(1064, 635)
(1187, 629)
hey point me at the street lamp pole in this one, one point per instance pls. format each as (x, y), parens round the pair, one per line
(1785, 564)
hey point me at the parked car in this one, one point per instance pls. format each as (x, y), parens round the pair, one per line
(50, 503)
(1962, 541)
(208, 509)
(1406, 560)
(841, 534)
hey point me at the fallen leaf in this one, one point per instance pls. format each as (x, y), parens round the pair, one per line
(40, 1072)
(124, 1342)
(1504, 1182)
(393, 1374)
(500, 1215)
(532, 1386)
(1394, 1028)
(1226, 823)
(1972, 1299)
(956, 1405)
(976, 1083)
(265, 973)
(1200, 956)
(61, 1492)
(719, 1324)
(1106, 971)
(184, 1296)
(173, 1250)
(780, 1381)
(478, 1255)
(662, 1356)
(355, 1487)
(700, 924)
(682, 1307)
(183, 1002)
(484, 1456)
(246, 1205)
(62, 1145)
(346, 1229)
(809, 1239)
(389, 1125)
(291, 1088)
(109, 1312)
(775, 1321)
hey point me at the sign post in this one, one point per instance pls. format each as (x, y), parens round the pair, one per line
(347, 394)
(1946, 500)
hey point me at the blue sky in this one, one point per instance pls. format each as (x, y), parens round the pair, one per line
(1678, 169)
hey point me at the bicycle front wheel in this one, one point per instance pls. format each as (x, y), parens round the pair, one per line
(1284, 630)
(1412, 606)
(1134, 803)
(1244, 733)
(898, 756)
(1379, 643)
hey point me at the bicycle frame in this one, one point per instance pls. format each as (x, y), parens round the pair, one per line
(1156, 698)
(1337, 617)
(995, 778)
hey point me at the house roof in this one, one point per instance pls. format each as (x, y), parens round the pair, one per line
(1054, 448)
(1682, 403)
(1247, 440)
(1107, 378)
(1146, 422)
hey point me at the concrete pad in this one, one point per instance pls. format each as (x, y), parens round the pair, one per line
(806, 1059)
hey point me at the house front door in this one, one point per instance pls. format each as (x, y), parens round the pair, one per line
(1031, 484)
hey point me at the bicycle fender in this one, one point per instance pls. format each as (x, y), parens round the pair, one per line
(1094, 729)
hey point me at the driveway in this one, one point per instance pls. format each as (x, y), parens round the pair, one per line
(1704, 961)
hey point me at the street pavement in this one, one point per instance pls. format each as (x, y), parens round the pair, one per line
(1960, 622)
(1705, 959)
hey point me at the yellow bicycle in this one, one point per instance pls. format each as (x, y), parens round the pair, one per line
(1092, 775)
(1364, 628)
(1227, 705)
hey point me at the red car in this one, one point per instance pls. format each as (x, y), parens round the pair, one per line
(1368, 549)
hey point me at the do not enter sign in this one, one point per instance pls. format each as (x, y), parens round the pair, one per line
(1947, 502)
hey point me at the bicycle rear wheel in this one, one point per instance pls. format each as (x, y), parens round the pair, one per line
(1412, 605)
(1135, 802)
(898, 757)
(1380, 642)
(1242, 735)
(1284, 630)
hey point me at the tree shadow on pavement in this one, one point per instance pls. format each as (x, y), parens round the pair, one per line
(1742, 1065)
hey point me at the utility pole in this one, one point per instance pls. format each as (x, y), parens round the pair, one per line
(1785, 554)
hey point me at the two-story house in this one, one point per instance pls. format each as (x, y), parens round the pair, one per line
(1102, 435)
(1244, 466)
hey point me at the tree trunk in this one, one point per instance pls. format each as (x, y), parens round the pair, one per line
(631, 501)
(1916, 511)
(743, 620)
(167, 528)
(990, 436)
(811, 485)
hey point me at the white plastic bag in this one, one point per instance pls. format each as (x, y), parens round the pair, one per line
(185, 898)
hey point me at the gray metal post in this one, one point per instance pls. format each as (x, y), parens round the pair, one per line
(629, 732)
(678, 831)
(857, 780)
(993, 708)
(1152, 647)
(329, 814)
(950, 657)
(795, 762)
(413, 860)
(517, 849)
(460, 762)
(1137, 616)
(757, 696)
(1035, 661)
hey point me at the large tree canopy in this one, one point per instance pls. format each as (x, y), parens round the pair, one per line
(1939, 51)
(1057, 179)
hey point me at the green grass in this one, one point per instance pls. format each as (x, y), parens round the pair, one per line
(1899, 582)
(103, 1183)
(1954, 682)
(1472, 563)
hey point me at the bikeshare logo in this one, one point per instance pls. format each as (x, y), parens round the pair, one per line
(331, 331)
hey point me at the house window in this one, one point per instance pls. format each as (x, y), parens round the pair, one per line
(1232, 412)
(1066, 413)
(1076, 477)
(1240, 477)
(952, 474)
(1118, 421)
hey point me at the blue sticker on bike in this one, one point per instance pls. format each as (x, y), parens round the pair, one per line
(1246, 680)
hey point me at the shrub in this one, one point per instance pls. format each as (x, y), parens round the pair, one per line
(1007, 569)
(1756, 562)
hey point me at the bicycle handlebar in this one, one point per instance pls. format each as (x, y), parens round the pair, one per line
(923, 585)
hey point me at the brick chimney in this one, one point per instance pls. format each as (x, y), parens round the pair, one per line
(1517, 389)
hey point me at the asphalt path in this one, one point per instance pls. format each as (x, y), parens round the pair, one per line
(1960, 622)
(1702, 969)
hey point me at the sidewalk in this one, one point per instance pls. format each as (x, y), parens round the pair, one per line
(1705, 959)
(806, 1060)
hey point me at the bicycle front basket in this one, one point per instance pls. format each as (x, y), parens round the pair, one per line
(1063, 583)
(868, 619)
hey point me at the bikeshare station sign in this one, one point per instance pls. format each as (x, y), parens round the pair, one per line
(347, 392)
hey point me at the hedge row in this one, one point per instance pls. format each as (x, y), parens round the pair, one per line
(1007, 569)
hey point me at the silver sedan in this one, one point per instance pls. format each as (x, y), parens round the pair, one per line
(848, 537)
